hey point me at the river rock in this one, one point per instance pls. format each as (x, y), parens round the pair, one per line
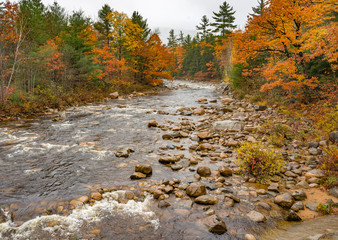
(229, 125)
(260, 107)
(228, 202)
(176, 167)
(152, 123)
(204, 171)
(314, 151)
(199, 111)
(314, 173)
(334, 192)
(96, 196)
(293, 217)
(123, 152)
(312, 205)
(299, 195)
(215, 224)
(227, 100)
(302, 184)
(206, 146)
(168, 160)
(264, 205)
(196, 190)
(256, 216)
(206, 200)
(333, 136)
(313, 144)
(163, 204)
(274, 187)
(297, 206)
(204, 135)
(137, 175)
(224, 171)
(114, 95)
(284, 200)
(249, 237)
(144, 168)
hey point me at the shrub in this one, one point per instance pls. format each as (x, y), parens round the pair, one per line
(259, 161)
(329, 164)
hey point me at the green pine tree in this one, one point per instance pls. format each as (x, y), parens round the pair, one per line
(224, 20)
(257, 11)
(203, 28)
(172, 39)
(143, 23)
(103, 25)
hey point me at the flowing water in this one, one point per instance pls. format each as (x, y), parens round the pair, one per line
(45, 164)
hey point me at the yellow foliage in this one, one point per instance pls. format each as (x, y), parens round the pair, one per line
(259, 161)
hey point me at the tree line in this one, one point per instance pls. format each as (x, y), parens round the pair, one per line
(50, 57)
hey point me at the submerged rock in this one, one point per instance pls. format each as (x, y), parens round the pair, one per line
(215, 224)
(256, 216)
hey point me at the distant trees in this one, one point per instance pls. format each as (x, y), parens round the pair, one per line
(48, 55)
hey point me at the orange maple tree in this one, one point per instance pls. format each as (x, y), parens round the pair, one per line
(286, 36)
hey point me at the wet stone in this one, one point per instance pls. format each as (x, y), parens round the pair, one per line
(274, 187)
(137, 175)
(206, 200)
(204, 171)
(264, 205)
(215, 224)
(152, 123)
(224, 171)
(196, 190)
(163, 204)
(96, 196)
(284, 200)
(293, 217)
(176, 167)
(144, 168)
(256, 216)
(228, 202)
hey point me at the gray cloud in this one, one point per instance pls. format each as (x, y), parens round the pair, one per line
(174, 14)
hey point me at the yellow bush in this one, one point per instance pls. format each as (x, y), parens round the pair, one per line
(329, 164)
(259, 161)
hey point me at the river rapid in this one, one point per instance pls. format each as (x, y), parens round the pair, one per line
(45, 164)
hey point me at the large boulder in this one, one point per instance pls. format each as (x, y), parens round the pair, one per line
(284, 200)
(229, 125)
(206, 200)
(196, 190)
(215, 224)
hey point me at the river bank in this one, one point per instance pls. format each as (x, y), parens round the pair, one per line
(53, 167)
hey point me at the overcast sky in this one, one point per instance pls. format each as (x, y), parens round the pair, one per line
(164, 14)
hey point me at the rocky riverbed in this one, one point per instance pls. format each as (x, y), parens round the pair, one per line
(156, 166)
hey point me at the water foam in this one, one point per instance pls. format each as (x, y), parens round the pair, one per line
(68, 225)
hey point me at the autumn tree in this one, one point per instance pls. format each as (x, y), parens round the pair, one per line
(224, 20)
(286, 36)
(11, 38)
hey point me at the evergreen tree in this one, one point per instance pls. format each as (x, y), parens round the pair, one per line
(103, 25)
(33, 13)
(204, 27)
(224, 20)
(172, 40)
(259, 9)
(56, 18)
(138, 19)
(180, 39)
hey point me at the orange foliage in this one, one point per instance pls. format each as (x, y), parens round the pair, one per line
(53, 57)
(290, 33)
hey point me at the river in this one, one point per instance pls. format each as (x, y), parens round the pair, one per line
(46, 163)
